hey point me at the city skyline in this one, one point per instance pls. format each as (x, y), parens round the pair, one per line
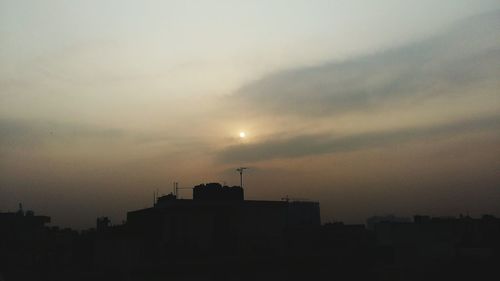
(369, 108)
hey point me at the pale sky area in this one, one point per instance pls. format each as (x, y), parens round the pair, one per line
(369, 107)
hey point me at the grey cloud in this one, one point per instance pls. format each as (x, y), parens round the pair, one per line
(305, 145)
(17, 132)
(461, 58)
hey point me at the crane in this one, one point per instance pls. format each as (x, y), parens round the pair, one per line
(288, 199)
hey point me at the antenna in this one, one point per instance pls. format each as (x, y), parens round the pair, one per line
(176, 188)
(21, 209)
(240, 170)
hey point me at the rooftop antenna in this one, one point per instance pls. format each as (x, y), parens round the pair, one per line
(240, 170)
(176, 188)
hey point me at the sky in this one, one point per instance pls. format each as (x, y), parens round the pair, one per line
(369, 107)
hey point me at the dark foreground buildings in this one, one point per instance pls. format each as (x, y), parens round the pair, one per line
(220, 236)
(216, 222)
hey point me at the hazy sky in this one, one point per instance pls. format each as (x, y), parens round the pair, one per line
(370, 107)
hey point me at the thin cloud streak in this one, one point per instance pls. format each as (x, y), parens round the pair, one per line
(29, 133)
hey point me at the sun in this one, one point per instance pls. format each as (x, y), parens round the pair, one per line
(243, 135)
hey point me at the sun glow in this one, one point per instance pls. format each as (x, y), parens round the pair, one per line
(243, 135)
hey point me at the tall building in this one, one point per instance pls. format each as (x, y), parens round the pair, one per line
(218, 220)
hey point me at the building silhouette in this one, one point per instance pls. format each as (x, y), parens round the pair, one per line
(218, 221)
(218, 235)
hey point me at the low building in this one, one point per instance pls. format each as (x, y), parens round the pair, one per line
(439, 238)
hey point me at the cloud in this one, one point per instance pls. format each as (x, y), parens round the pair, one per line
(94, 142)
(28, 133)
(463, 58)
(305, 145)
(430, 85)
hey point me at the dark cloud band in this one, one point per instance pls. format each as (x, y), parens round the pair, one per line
(306, 145)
